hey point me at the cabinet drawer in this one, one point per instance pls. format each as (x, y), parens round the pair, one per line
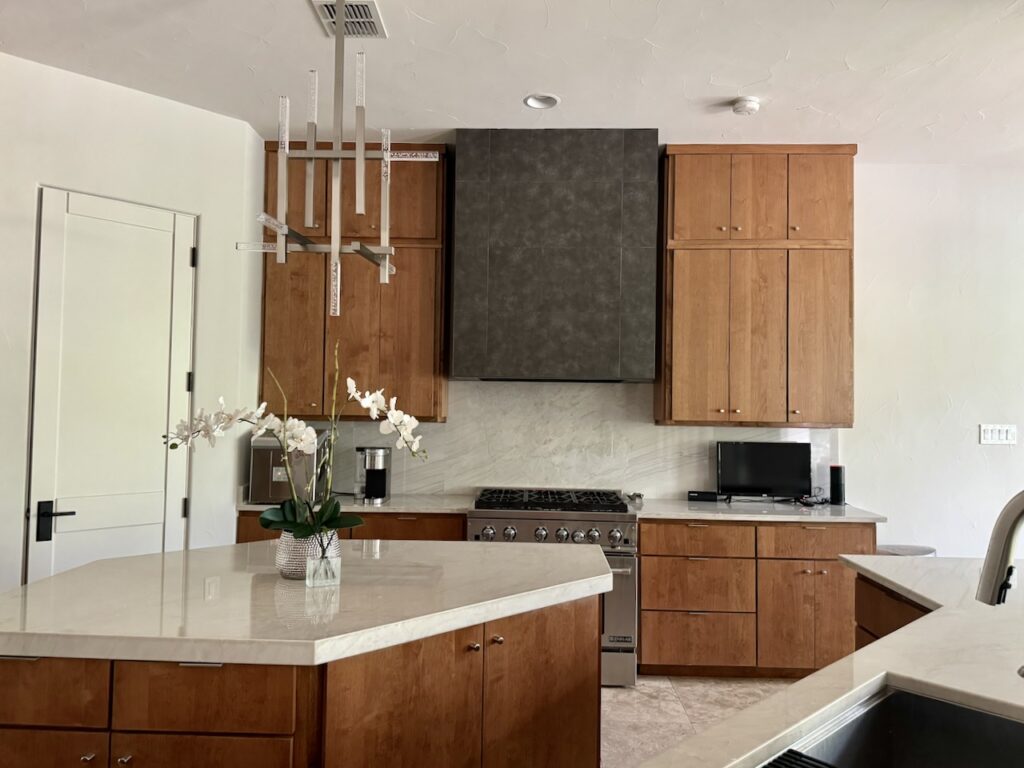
(698, 584)
(233, 698)
(57, 692)
(698, 639)
(880, 612)
(815, 542)
(148, 750)
(409, 526)
(697, 539)
(20, 748)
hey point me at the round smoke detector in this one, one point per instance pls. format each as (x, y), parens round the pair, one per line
(746, 105)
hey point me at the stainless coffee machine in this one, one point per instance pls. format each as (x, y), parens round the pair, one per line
(373, 476)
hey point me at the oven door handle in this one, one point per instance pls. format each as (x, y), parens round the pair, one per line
(621, 571)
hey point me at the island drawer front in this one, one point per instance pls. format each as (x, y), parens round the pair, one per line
(229, 698)
(54, 692)
(151, 750)
(880, 612)
(698, 639)
(411, 526)
(697, 539)
(698, 584)
(34, 748)
(815, 542)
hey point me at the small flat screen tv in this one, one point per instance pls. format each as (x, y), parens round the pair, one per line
(778, 470)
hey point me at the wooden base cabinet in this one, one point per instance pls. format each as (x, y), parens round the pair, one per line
(24, 748)
(880, 611)
(399, 526)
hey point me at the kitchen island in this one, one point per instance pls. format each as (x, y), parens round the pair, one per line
(429, 653)
(957, 650)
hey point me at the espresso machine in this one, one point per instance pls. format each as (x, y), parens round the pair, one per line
(373, 476)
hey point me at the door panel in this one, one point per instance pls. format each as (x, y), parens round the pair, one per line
(53, 749)
(821, 337)
(355, 333)
(785, 613)
(702, 199)
(834, 615)
(149, 750)
(759, 197)
(699, 584)
(700, 335)
(414, 196)
(131, 357)
(408, 353)
(294, 304)
(411, 527)
(71, 693)
(820, 197)
(698, 639)
(758, 336)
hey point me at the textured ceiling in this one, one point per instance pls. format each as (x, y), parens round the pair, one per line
(909, 80)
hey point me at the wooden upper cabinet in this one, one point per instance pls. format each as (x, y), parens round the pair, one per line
(297, 169)
(700, 336)
(820, 197)
(701, 199)
(757, 336)
(759, 204)
(355, 333)
(415, 195)
(293, 332)
(821, 337)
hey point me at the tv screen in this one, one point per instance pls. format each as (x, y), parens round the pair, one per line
(764, 469)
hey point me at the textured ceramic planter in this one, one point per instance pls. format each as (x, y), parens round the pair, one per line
(293, 554)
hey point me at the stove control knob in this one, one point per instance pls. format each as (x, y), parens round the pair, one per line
(578, 537)
(593, 535)
(562, 534)
(509, 533)
(615, 537)
(487, 534)
(541, 534)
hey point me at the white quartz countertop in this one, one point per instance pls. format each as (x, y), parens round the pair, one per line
(964, 652)
(229, 605)
(755, 511)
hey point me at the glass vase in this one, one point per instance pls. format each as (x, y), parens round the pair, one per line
(323, 571)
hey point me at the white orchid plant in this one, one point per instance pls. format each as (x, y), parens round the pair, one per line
(304, 514)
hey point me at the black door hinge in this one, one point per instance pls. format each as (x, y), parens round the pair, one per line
(195, 255)
(188, 381)
(184, 508)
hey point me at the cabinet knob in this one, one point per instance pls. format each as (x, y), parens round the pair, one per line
(806, 570)
(721, 410)
(124, 760)
(312, 405)
(797, 411)
(87, 758)
(723, 229)
(736, 410)
(823, 572)
(498, 640)
(738, 229)
(474, 646)
(796, 228)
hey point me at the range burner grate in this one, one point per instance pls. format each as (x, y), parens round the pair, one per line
(560, 500)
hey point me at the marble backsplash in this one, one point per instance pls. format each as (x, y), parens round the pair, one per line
(562, 435)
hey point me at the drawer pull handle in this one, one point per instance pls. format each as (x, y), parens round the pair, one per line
(124, 760)
(87, 758)
(19, 658)
(498, 640)
(815, 527)
(697, 613)
(697, 558)
(404, 517)
(201, 664)
(474, 646)
(696, 525)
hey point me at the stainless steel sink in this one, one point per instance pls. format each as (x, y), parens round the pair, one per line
(897, 729)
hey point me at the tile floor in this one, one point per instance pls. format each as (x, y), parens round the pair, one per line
(640, 722)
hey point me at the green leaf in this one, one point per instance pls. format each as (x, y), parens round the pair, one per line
(344, 521)
(304, 530)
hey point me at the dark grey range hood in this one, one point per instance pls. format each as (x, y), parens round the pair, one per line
(555, 254)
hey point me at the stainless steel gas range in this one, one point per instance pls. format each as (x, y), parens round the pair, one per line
(575, 517)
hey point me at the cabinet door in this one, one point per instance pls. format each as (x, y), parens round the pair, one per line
(834, 614)
(698, 639)
(148, 750)
(297, 194)
(542, 688)
(413, 704)
(700, 335)
(785, 613)
(53, 749)
(701, 197)
(71, 693)
(410, 330)
(415, 191)
(411, 527)
(293, 333)
(821, 337)
(248, 529)
(757, 336)
(698, 584)
(759, 197)
(355, 333)
(820, 197)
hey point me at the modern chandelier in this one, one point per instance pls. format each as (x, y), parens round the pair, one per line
(288, 240)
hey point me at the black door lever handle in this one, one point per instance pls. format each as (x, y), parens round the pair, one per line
(44, 519)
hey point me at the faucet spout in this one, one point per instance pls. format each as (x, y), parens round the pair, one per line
(998, 567)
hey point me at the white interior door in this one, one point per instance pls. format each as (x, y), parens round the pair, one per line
(113, 349)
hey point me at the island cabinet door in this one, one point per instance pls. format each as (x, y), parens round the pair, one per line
(785, 613)
(834, 619)
(542, 688)
(416, 704)
(63, 693)
(152, 750)
(22, 748)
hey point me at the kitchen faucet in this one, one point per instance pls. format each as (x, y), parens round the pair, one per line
(997, 571)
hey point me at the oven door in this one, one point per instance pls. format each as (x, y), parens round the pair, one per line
(618, 614)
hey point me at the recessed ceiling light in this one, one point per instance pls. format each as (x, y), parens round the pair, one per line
(746, 105)
(541, 100)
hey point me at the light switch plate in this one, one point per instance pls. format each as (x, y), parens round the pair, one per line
(997, 434)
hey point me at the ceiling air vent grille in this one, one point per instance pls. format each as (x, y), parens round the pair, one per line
(361, 18)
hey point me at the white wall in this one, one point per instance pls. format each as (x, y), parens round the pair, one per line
(939, 269)
(70, 131)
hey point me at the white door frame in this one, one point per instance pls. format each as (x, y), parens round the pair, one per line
(52, 207)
